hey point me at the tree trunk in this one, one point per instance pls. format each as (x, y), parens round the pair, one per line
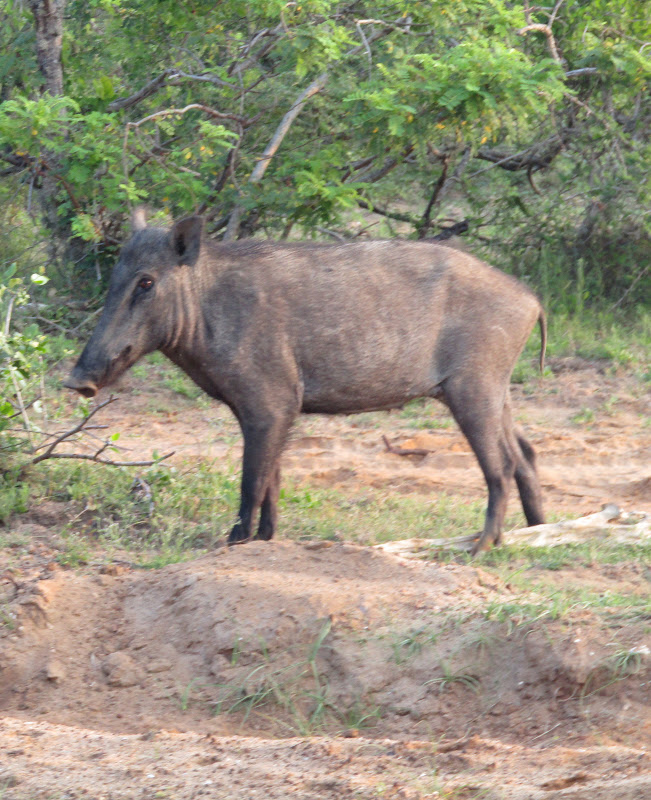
(48, 22)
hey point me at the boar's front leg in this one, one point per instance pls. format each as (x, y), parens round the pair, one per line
(269, 509)
(264, 437)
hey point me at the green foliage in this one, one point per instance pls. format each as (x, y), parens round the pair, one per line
(177, 106)
(21, 347)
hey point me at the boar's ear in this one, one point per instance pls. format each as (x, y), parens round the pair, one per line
(185, 239)
(138, 219)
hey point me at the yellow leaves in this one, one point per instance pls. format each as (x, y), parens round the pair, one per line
(483, 139)
(34, 132)
(188, 155)
(440, 126)
(410, 117)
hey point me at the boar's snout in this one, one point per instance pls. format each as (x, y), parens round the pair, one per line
(84, 386)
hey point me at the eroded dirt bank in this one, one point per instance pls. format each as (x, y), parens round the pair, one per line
(128, 674)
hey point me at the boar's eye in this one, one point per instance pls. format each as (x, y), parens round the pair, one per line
(145, 284)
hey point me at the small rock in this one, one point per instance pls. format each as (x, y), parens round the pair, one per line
(121, 670)
(113, 569)
(159, 665)
(55, 671)
(321, 544)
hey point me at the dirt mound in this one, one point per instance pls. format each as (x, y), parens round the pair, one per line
(283, 639)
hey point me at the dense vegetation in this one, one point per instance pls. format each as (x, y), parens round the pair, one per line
(525, 128)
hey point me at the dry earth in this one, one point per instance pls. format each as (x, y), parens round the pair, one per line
(330, 670)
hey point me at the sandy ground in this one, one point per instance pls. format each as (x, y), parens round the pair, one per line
(330, 670)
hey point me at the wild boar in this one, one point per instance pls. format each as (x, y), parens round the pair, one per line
(275, 329)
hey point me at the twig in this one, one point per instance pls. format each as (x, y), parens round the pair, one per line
(636, 280)
(367, 47)
(27, 405)
(23, 408)
(384, 212)
(405, 451)
(108, 461)
(329, 232)
(49, 452)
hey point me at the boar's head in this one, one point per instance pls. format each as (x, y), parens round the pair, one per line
(146, 303)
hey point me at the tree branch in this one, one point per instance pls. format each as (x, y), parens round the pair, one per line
(427, 214)
(546, 29)
(384, 212)
(169, 75)
(270, 150)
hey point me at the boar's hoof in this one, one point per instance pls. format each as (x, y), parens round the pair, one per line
(237, 535)
(482, 543)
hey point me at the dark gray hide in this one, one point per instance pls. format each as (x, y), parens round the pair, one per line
(275, 329)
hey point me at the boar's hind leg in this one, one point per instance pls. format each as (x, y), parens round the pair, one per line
(526, 477)
(478, 408)
(263, 442)
(269, 509)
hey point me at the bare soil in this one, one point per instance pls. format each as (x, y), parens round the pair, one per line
(328, 669)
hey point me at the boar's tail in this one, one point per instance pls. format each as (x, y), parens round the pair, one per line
(542, 321)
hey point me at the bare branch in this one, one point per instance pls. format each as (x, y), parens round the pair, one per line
(147, 90)
(537, 156)
(109, 462)
(73, 431)
(167, 112)
(367, 47)
(384, 212)
(551, 42)
(575, 73)
(633, 284)
(380, 172)
(170, 75)
(426, 220)
(271, 149)
(96, 456)
(274, 35)
(552, 16)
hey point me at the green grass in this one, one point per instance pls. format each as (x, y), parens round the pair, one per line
(297, 689)
(408, 645)
(618, 341)
(450, 677)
